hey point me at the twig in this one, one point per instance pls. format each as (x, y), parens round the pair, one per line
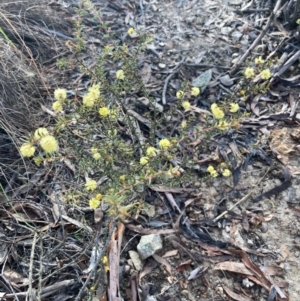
(168, 79)
(257, 40)
(287, 65)
(100, 256)
(142, 10)
(29, 292)
(242, 199)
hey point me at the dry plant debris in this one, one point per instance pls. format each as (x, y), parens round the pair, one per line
(141, 118)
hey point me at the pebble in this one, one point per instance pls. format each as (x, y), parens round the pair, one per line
(161, 65)
(136, 260)
(149, 245)
(226, 30)
(236, 35)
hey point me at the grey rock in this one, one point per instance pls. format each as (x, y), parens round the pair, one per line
(236, 35)
(136, 260)
(226, 30)
(226, 80)
(149, 245)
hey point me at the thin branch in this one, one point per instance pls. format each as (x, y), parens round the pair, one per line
(257, 40)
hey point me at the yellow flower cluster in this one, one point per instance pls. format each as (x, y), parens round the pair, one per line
(234, 107)
(90, 185)
(151, 151)
(224, 169)
(217, 112)
(47, 142)
(186, 105)
(259, 60)
(104, 111)
(195, 91)
(131, 31)
(94, 203)
(92, 96)
(249, 72)
(265, 74)
(223, 125)
(96, 154)
(105, 263)
(60, 96)
(212, 171)
(144, 160)
(164, 144)
(120, 74)
(179, 94)
(184, 124)
(27, 150)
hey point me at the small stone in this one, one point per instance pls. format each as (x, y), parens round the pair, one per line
(136, 260)
(149, 245)
(236, 35)
(161, 65)
(226, 30)
(226, 80)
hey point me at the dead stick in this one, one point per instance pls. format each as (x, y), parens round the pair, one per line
(257, 40)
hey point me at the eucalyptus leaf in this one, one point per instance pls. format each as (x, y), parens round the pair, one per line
(203, 80)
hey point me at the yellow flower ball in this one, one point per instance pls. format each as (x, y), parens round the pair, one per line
(60, 94)
(49, 144)
(104, 111)
(97, 156)
(195, 91)
(259, 60)
(210, 168)
(226, 173)
(265, 74)
(179, 94)
(144, 160)
(164, 143)
(90, 185)
(94, 150)
(214, 174)
(151, 151)
(223, 125)
(130, 31)
(184, 124)
(217, 112)
(223, 165)
(94, 203)
(57, 106)
(27, 150)
(234, 107)
(186, 105)
(99, 196)
(88, 100)
(94, 91)
(249, 72)
(40, 132)
(120, 74)
(122, 178)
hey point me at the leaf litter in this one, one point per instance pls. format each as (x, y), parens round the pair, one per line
(216, 244)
